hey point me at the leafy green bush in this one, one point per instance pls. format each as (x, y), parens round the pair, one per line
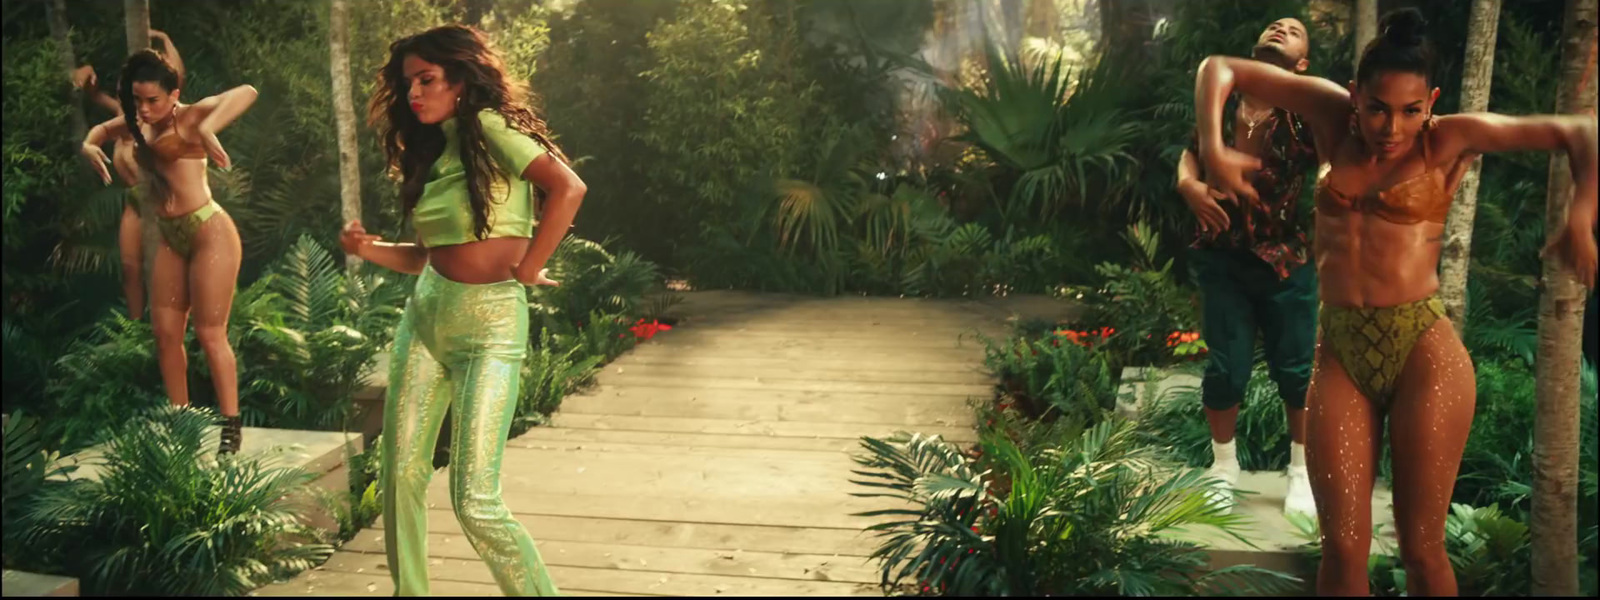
(551, 371)
(167, 518)
(101, 379)
(28, 467)
(1177, 420)
(1082, 514)
(1489, 551)
(306, 334)
(1048, 379)
(1142, 305)
(592, 280)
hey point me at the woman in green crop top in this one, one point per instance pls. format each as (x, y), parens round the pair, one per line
(466, 147)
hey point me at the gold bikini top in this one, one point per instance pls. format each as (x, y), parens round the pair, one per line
(1414, 200)
(173, 147)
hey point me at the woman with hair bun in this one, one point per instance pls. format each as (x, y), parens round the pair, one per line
(1385, 349)
(197, 264)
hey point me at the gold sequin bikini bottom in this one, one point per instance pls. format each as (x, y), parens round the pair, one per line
(1373, 343)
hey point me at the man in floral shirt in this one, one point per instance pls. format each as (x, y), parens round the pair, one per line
(1252, 267)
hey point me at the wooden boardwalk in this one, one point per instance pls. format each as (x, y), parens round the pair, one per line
(714, 459)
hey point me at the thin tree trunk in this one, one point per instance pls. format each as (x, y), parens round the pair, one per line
(137, 16)
(138, 24)
(1366, 16)
(345, 118)
(1553, 520)
(56, 11)
(1475, 80)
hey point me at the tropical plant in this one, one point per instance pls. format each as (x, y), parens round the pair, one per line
(165, 517)
(1085, 515)
(28, 469)
(1488, 550)
(1142, 304)
(1176, 420)
(1064, 137)
(313, 333)
(592, 280)
(1047, 379)
(101, 378)
(550, 372)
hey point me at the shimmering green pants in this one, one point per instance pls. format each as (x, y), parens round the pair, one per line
(458, 345)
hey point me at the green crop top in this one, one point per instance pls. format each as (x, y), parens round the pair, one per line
(443, 216)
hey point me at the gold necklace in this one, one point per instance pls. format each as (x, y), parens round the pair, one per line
(1251, 124)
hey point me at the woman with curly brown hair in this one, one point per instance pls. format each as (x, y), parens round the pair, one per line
(465, 145)
(197, 264)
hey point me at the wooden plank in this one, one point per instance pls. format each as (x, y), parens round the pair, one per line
(804, 429)
(965, 374)
(339, 583)
(826, 512)
(889, 391)
(624, 557)
(631, 582)
(868, 358)
(854, 329)
(876, 344)
(959, 371)
(735, 476)
(834, 456)
(577, 438)
(653, 352)
(911, 415)
(674, 534)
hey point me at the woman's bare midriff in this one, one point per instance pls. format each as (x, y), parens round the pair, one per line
(481, 261)
(1365, 261)
(190, 189)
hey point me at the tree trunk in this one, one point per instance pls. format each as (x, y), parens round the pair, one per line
(1553, 520)
(56, 11)
(345, 118)
(138, 24)
(1366, 17)
(1125, 26)
(1475, 78)
(137, 16)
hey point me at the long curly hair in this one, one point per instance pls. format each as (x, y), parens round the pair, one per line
(468, 58)
(145, 66)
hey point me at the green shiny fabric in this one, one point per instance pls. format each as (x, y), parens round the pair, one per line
(443, 215)
(460, 348)
(181, 231)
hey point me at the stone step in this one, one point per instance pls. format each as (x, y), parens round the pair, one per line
(23, 583)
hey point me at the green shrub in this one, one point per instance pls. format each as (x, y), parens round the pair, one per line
(1177, 420)
(1048, 379)
(1081, 515)
(167, 518)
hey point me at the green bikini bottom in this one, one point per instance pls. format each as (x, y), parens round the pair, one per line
(180, 231)
(1373, 343)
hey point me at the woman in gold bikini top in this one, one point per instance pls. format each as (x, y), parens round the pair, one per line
(1386, 351)
(197, 264)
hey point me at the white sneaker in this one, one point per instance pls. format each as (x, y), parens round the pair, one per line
(1228, 479)
(1299, 498)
